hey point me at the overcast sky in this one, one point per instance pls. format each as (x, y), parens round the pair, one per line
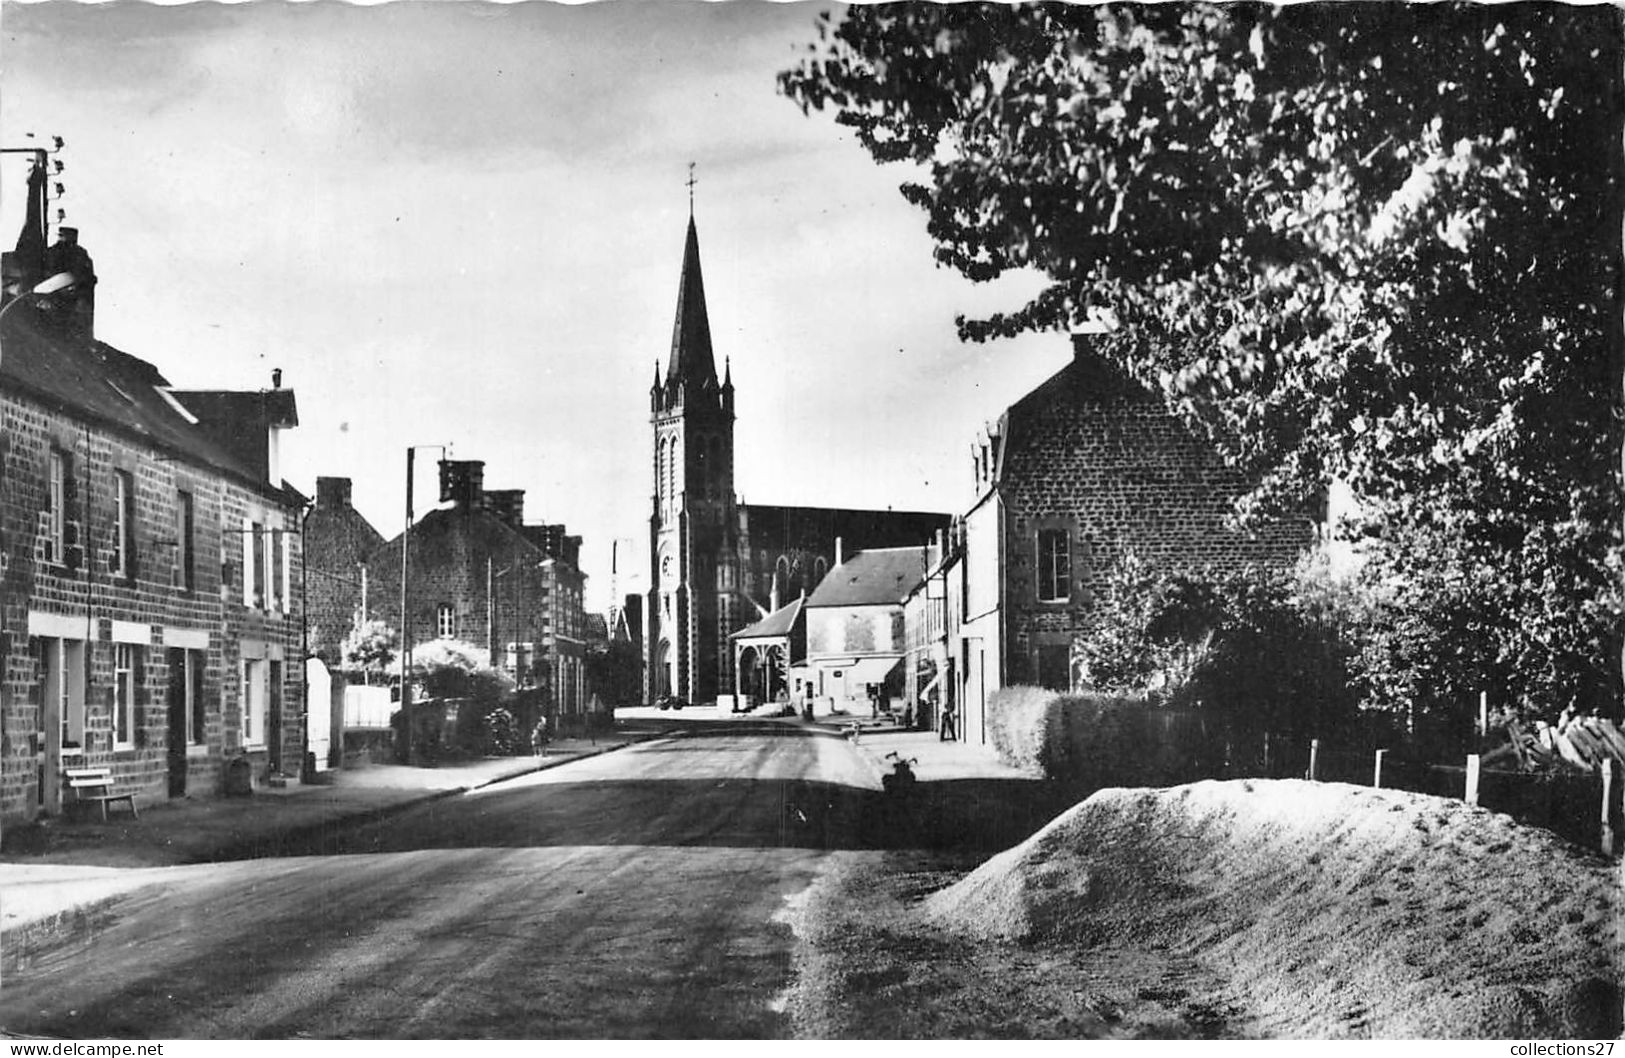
(462, 222)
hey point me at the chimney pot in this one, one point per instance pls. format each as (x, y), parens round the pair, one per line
(276, 378)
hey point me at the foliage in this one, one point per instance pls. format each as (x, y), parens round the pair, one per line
(1369, 243)
(449, 668)
(1100, 739)
(1245, 646)
(369, 649)
(1019, 724)
(502, 735)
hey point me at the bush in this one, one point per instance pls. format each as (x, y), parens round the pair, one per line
(1023, 727)
(1102, 739)
(1251, 649)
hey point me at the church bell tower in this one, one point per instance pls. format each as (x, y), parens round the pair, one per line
(692, 523)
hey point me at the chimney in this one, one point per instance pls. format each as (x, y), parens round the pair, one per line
(276, 378)
(77, 301)
(1083, 345)
(333, 492)
(508, 505)
(462, 481)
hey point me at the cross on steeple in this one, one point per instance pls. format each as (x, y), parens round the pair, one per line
(691, 182)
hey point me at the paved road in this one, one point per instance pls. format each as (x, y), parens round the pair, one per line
(632, 894)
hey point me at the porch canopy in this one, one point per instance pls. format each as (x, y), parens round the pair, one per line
(871, 670)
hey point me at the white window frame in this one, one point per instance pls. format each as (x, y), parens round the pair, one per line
(248, 562)
(64, 679)
(124, 695)
(287, 571)
(445, 621)
(1055, 576)
(253, 702)
(57, 506)
(123, 494)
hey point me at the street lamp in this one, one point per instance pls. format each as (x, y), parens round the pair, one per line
(406, 620)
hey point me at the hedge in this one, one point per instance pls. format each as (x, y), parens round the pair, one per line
(1101, 739)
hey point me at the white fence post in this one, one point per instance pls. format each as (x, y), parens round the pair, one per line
(1314, 760)
(1376, 773)
(1472, 778)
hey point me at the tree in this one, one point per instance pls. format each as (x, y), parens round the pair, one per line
(1359, 242)
(369, 649)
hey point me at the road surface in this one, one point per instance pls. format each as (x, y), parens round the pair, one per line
(631, 894)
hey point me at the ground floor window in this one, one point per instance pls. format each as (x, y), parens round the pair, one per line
(125, 660)
(62, 687)
(253, 702)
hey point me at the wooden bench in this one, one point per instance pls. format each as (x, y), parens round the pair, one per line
(96, 785)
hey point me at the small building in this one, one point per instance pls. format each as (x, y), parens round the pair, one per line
(1082, 471)
(150, 566)
(766, 652)
(855, 640)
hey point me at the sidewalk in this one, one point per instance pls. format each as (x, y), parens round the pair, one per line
(59, 865)
(935, 760)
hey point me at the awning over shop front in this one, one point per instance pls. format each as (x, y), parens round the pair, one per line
(871, 670)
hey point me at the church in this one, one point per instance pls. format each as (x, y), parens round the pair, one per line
(718, 565)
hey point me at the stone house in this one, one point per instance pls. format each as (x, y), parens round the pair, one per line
(150, 570)
(1083, 470)
(855, 637)
(338, 539)
(479, 574)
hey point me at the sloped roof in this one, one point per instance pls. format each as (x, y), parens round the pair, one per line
(777, 623)
(79, 376)
(873, 578)
(691, 357)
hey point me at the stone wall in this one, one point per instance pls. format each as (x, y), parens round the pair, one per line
(147, 602)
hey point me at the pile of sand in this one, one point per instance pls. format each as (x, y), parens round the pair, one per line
(1333, 910)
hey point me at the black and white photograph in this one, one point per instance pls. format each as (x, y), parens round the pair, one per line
(739, 520)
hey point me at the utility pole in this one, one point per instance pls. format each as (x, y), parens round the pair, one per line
(406, 612)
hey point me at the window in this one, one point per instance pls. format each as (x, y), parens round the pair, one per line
(275, 599)
(257, 562)
(62, 686)
(286, 555)
(185, 562)
(56, 510)
(123, 561)
(124, 694)
(1054, 565)
(252, 704)
(445, 620)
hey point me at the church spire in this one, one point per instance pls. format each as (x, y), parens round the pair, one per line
(691, 357)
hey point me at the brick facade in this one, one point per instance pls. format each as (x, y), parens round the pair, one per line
(338, 540)
(125, 638)
(480, 575)
(1082, 471)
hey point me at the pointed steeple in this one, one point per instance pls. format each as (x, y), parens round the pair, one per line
(691, 357)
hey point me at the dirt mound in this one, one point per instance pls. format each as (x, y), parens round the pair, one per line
(1335, 910)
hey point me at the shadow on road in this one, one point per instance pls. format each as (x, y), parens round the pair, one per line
(971, 815)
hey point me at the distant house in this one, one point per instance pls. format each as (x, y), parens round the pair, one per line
(1085, 469)
(479, 574)
(338, 539)
(854, 619)
(150, 566)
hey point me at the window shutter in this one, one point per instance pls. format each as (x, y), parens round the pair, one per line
(248, 562)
